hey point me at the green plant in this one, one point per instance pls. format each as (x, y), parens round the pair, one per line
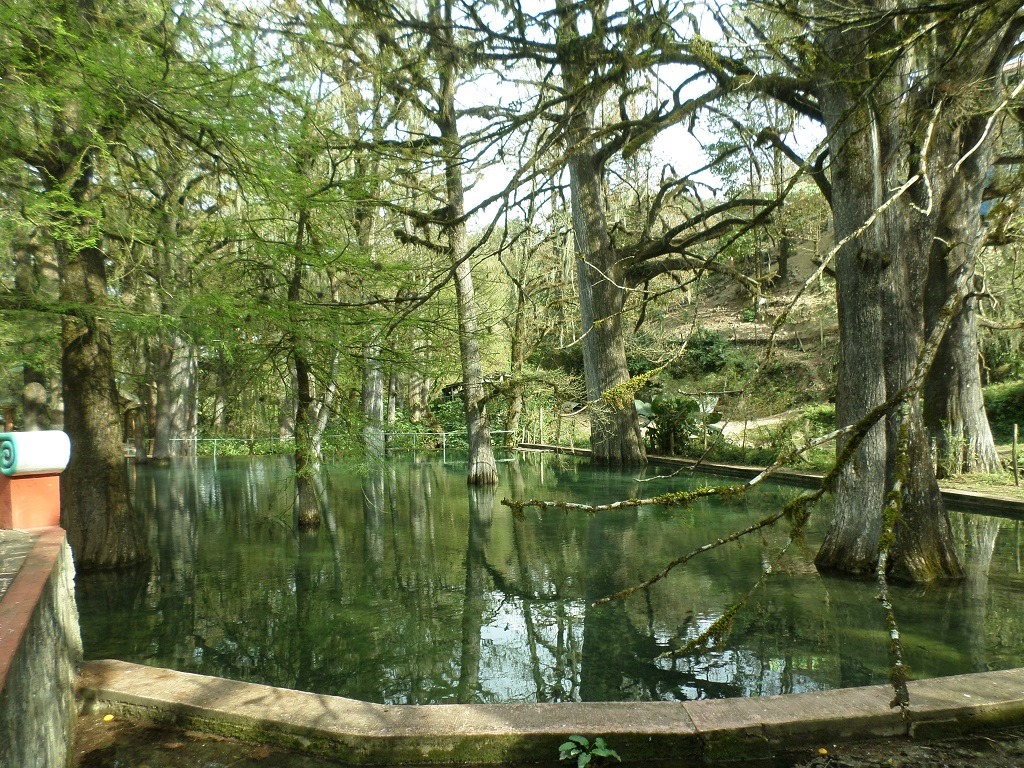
(580, 749)
(821, 418)
(1004, 403)
(675, 418)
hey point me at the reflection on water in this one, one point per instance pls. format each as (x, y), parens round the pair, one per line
(417, 590)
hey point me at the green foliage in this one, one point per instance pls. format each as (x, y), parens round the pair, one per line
(580, 749)
(820, 418)
(549, 356)
(706, 352)
(450, 416)
(1005, 406)
(710, 359)
(678, 418)
(238, 446)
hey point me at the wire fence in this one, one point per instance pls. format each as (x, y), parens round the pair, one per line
(561, 428)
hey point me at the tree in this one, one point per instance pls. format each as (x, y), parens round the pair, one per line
(615, 430)
(593, 69)
(433, 60)
(65, 65)
(907, 143)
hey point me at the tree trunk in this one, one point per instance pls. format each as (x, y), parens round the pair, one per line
(880, 277)
(615, 429)
(96, 509)
(176, 394)
(373, 402)
(418, 396)
(953, 400)
(35, 276)
(308, 484)
(517, 361)
(482, 469)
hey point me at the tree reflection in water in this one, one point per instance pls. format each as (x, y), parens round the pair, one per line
(417, 590)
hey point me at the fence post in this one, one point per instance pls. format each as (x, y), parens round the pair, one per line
(1016, 477)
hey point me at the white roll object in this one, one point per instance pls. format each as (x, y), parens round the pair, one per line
(34, 453)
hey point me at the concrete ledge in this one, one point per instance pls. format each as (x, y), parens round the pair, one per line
(712, 732)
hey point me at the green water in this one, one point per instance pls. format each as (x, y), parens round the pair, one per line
(418, 591)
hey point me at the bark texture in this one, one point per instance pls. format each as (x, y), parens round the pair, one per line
(483, 469)
(615, 429)
(96, 510)
(373, 402)
(176, 424)
(954, 405)
(900, 121)
(908, 148)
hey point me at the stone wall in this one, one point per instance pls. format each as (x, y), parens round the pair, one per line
(40, 651)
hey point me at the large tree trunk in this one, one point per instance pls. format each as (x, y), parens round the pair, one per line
(615, 429)
(176, 396)
(953, 401)
(912, 153)
(482, 469)
(880, 276)
(96, 510)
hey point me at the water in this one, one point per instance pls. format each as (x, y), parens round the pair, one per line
(419, 591)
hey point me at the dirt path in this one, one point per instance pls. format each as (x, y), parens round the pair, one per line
(997, 749)
(733, 430)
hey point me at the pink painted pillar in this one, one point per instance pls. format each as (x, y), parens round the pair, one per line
(31, 463)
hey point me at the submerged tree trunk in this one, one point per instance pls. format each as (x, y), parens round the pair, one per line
(901, 175)
(482, 469)
(373, 402)
(879, 286)
(307, 457)
(176, 393)
(615, 429)
(96, 510)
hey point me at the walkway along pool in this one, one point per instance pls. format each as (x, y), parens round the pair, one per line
(419, 592)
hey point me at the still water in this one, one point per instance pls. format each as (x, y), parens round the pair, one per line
(419, 591)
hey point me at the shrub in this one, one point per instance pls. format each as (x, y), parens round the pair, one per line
(822, 418)
(1004, 404)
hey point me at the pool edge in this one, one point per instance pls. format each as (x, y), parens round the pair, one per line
(712, 732)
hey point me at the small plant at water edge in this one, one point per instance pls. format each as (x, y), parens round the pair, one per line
(580, 749)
